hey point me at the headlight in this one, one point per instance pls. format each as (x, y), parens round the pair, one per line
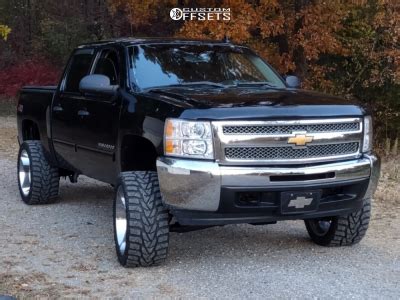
(367, 143)
(188, 139)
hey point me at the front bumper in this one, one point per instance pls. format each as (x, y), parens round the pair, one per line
(204, 193)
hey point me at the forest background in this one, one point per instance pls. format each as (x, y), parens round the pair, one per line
(346, 48)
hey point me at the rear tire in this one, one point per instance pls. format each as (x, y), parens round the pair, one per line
(340, 230)
(141, 229)
(38, 181)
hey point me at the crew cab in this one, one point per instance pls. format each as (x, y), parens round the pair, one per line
(193, 134)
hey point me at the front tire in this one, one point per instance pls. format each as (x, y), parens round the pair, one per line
(38, 181)
(141, 230)
(340, 230)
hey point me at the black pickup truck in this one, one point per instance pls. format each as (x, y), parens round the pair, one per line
(195, 134)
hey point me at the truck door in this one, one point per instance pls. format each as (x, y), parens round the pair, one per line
(65, 107)
(99, 122)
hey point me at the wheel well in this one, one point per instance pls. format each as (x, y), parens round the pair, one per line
(137, 154)
(30, 130)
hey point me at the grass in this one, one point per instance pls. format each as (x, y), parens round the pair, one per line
(8, 106)
(387, 196)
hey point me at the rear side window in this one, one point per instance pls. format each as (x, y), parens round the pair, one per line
(80, 67)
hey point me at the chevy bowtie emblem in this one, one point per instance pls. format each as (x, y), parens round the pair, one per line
(300, 202)
(300, 139)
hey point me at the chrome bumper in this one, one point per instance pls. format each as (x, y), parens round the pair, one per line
(196, 185)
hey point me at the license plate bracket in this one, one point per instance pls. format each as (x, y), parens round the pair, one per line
(294, 202)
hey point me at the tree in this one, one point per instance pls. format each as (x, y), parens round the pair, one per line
(292, 35)
(350, 48)
(4, 31)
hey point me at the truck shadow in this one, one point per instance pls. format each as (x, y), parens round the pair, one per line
(85, 191)
(237, 241)
(95, 201)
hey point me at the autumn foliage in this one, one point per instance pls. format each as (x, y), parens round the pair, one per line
(31, 72)
(349, 48)
(297, 36)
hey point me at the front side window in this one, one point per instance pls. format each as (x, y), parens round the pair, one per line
(164, 65)
(79, 68)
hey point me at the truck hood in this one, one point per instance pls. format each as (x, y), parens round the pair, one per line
(257, 103)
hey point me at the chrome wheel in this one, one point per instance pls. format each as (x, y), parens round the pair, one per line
(321, 226)
(24, 173)
(120, 220)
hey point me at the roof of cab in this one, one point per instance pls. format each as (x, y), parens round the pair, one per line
(154, 40)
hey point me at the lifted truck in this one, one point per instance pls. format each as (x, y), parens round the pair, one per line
(195, 134)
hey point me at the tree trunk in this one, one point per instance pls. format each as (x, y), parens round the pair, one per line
(298, 53)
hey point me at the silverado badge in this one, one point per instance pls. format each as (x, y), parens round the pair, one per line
(300, 139)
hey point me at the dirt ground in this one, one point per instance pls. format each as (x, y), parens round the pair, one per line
(67, 250)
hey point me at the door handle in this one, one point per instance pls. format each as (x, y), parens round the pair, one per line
(57, 108)
(83, 113)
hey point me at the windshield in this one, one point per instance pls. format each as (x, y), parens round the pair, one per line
(166, 65)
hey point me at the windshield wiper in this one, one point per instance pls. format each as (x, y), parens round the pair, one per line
(209, 83)
(255, 83)
(205, 83)
(213, 84)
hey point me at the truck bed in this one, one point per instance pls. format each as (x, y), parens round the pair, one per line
(46, 88)
(34, 105)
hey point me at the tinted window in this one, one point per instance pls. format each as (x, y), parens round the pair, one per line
(108, 65)
(80, 67)
(162, 65)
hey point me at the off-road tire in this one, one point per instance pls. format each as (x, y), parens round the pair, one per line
(344, 230)
(45, 180)
(147, 231)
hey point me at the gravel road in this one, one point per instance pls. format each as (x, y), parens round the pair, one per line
(66, 249)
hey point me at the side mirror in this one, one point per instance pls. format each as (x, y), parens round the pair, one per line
(97, 84)
(293, 81)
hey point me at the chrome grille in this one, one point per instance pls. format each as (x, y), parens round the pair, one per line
(271, 142)
(270, 153)
(288, 129)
